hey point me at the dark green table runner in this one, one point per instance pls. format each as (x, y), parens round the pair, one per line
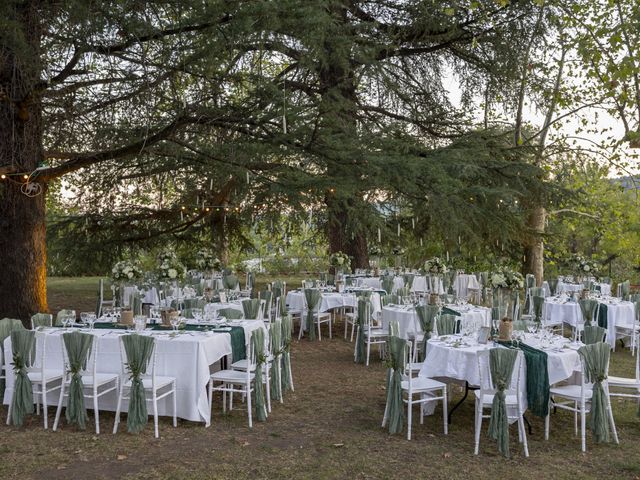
(537, 378)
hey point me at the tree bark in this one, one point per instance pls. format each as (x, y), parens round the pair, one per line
(534, 248)
(22, 218)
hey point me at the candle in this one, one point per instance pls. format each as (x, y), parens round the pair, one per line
(211, 184)
(181, 216)
(379, 235)
(502, 247)
(398, 229)
(459, 241)
(447, 255)
(421, 242)
(474, 258)
(248, 178)
(413, 223)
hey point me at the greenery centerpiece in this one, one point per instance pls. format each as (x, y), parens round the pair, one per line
(340, 261)
(503, 280)
(125, 271)
(436, 268)
(207, 262)
(374, 254)
(398, 252)
(582, 266)
(169, 267)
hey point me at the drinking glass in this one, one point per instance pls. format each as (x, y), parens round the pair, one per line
(175, 321)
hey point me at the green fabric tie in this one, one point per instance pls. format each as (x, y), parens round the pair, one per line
(230, 313)
(251, 308)
(41, 320)
(363, 311)
(426, 316)
(230, 282)
(138, 350)
(312, 297)
(287, 328)
(593, 334)
(7, 325)
(538, 303)
(275, 334)
(257, 340)
(588, 308)
(23, 345)
(396, 363)
(78, 346)
(603, 315)
(596, 360)
(387, 284)
(446, 324)
(501, 362)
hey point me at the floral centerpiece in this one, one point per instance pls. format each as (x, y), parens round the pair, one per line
(375, 251)
(125, 271)
(436, 266)
(505, 277)
(206, 261)
(398, 251)
(582, 266)
(169, 267)
(339, 260)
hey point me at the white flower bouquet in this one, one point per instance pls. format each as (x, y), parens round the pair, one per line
(125, 271)
(436, 266)
(583, 266)
(505, 277)
(398, 251)
(169, 267)
(339, 260)
(206, 261)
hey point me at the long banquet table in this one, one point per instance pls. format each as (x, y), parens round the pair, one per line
(186, 356)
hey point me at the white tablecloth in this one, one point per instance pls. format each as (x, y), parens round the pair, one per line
(209, 308)
(376, 283)
(187, 357)
(149, 296)
(444, 361)
(465, 282)
(569, 287)
(328, 301)
(409, 323)
(618, 314)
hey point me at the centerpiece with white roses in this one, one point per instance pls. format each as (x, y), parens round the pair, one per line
(169, 267)
(340, 261)
(582, 266)
(125, 271)
(206, 261)
(436, 268)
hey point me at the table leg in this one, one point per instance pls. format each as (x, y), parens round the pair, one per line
(467, 387)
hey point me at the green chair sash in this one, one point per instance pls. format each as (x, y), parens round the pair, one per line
(408, 280)
(501, 362)
(588, 307)
(287, 328)
(426, 316)
(396, 363)
(267, 296)
(41, 320)
(537, 377)
(625, 289)
(446, 324)
(230, 313)
(538, 303)
(593, 334)
(275, 335)
(603, 315)
(553, 285)
(138, 350)
(257, 340)
(78, 346)
(230, 282)
(596, 360)
(363, 310)
(312, 297)
(387, 284)
(251, 308)
(23, 345)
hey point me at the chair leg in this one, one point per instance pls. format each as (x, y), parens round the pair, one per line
(525, 445)
(445, 413)
(175, 405)
(118, 405)
(478, 427)
(59, 409)
(575, 418)
(96, 413)
(210, 401)
(44, 406)
(583, 426)
(368, 351)
(612, 422)
(346, 325)
(546, 426)
(409, 413)
(248, 387)
(319, 331)
(330, 328)
(155, 414)
(353, 329)
(268, 377)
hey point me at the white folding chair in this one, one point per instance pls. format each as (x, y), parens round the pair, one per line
(515, 397)
(152, 383)
(92, 381)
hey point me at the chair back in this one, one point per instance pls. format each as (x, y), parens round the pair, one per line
(41, 320)
(89, 363)
(149, 370)
(516, 385)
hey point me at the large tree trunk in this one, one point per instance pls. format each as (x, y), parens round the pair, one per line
(22, 218)
(534, 248)
(339, 122)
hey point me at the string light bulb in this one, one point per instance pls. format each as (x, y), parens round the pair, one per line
(3, 176)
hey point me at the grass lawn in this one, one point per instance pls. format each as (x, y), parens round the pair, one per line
(328, 428)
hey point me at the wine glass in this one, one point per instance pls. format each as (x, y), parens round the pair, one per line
(91, 320)
(175, 321)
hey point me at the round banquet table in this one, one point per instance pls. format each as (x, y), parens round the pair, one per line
(461, 363)
(330, 300)
(409, 322)
(619, 313)
(465, 282)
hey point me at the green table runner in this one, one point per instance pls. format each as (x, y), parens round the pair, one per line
(449, 311)
(603, 319)
(537, 378)
(237, 334)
